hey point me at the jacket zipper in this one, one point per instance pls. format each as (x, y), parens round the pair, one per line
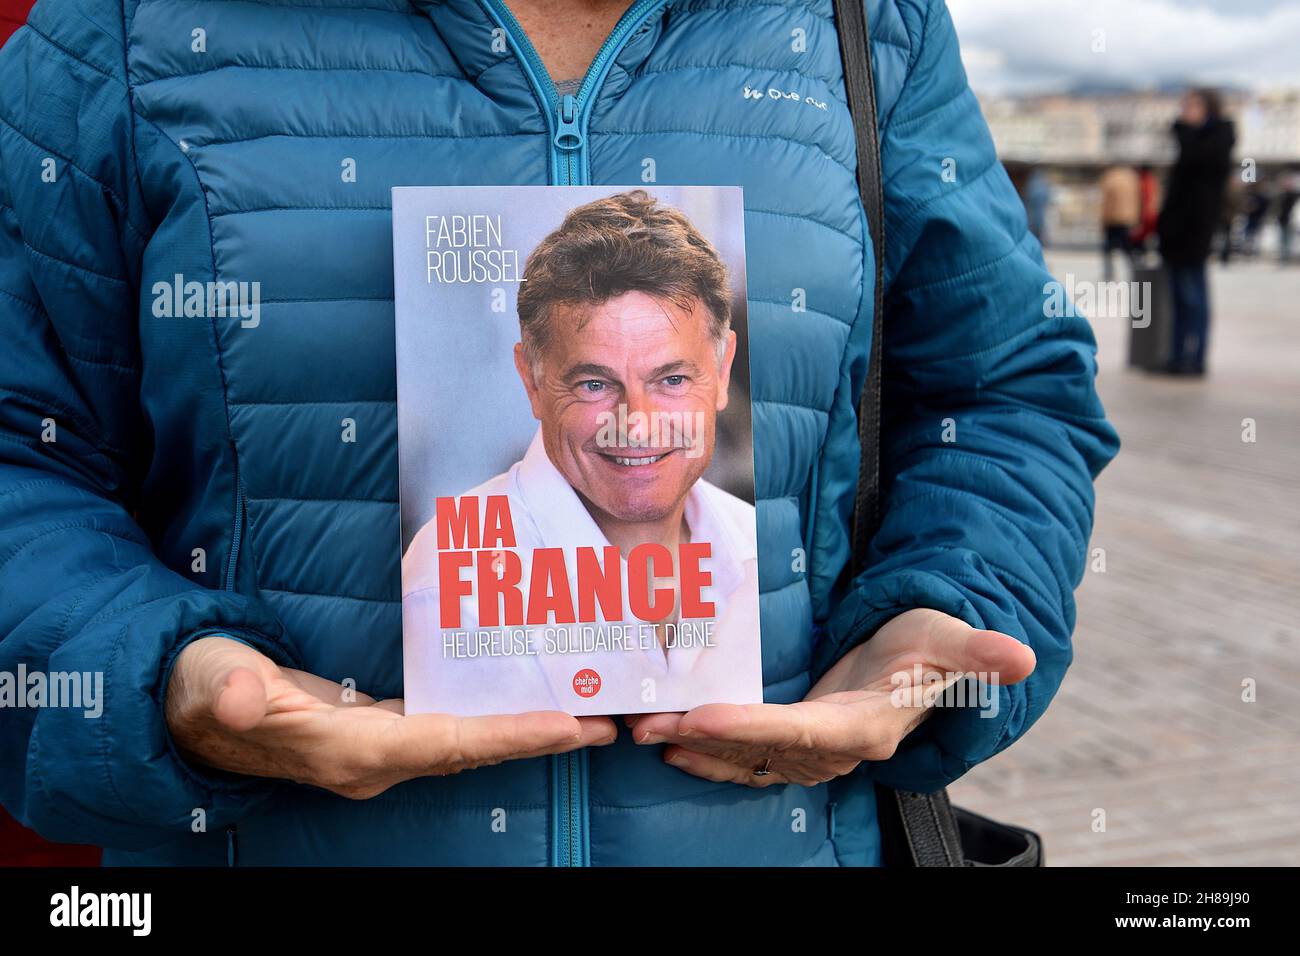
(566, 121)
(236, 539)
(237, 532)
(567, 116)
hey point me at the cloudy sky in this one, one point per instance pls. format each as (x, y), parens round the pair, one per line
(1044, 45)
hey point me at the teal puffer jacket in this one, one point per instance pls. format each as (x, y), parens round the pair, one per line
(197, 482)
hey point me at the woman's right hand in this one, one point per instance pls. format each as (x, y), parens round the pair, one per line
(231, 707)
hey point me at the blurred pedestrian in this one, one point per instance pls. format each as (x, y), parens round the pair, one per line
(1121, 209)
(1149, 188)
(1288, 193)
(1038, 200)
(1256, 208)
(1234, 200)
(1191, 212)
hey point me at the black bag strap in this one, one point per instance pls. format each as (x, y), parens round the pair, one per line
(917, 829)
(859, 85)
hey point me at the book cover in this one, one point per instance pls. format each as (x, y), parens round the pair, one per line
(575, 449)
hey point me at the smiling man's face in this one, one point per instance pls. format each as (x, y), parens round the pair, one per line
(658, 361)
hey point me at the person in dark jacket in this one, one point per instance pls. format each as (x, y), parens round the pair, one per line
(1189, 218)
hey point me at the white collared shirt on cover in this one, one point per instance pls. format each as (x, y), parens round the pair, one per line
(547, 512)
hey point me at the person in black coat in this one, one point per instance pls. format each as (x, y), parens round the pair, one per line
(1189, 217)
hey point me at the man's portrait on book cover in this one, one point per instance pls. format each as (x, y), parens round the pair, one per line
(594, 343)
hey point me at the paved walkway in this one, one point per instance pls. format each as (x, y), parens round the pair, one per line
(1201, 592)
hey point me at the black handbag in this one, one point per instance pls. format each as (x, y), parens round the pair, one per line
(917, 829)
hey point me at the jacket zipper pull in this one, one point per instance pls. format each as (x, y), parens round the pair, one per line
(567, 135)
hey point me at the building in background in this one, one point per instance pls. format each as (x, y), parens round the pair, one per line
(1073, 137)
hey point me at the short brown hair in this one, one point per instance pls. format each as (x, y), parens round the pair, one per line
(628, 242)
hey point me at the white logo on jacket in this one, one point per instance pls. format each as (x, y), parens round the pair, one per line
(776, 95)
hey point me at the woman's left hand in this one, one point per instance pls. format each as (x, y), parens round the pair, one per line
(860, 710)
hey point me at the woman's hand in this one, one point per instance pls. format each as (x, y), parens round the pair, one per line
(860, 710)
(230, 707)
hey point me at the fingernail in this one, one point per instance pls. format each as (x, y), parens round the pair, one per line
(679, 760)
(649, 737)
(685, 732)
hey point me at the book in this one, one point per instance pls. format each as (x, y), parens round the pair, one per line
(575, 449)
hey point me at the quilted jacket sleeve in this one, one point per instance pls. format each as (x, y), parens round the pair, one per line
(993, 430)
(81, 591)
